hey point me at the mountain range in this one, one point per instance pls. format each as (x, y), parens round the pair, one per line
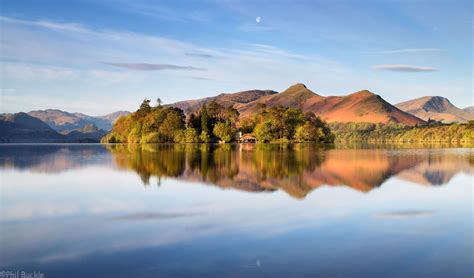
(362, 106)
(53, 125)
(62, 121)
(191, 106)
(23, 128)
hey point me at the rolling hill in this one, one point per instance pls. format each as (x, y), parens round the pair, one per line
(23, 128)
(63, 121)
(435, 108)
(362, 106)
(469, 109)
(226, 99)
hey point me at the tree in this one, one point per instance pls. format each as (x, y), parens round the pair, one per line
(264, 132)
(190, 135)
(174, 121)
(307, 133)
(224, 131)
(153, 137)
(134, 136)
(179, 136)
(204, 137)
(213, 109)
(144, 108)
(247, 125)
(204, 119)
(194, 122)
(229, 114)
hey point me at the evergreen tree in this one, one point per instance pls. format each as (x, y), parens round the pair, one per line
(204, 119)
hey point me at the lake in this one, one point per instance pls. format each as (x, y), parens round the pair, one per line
(236, 211)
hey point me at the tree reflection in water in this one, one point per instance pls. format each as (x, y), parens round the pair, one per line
(297, 169)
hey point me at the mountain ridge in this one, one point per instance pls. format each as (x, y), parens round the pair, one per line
(361, 106)
(469, 109)
(63, 121)
(435, 108)
(226, 99)
(23, 128)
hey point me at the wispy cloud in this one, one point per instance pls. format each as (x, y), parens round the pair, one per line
(154, 216)
(168, 14)
(201, 55)
(403, 68)
(72, 27)
(200, 78)
(402, 214)
(409, 50)
(151, 67)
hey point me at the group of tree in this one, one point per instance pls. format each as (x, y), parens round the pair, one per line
(160, 124)
(214, 122)
(434, 132)
(285, 124)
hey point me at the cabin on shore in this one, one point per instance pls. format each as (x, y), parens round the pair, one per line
(247, 138)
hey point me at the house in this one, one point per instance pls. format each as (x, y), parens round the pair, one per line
(247, 138)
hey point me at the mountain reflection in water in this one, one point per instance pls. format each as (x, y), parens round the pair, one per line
(296, 169)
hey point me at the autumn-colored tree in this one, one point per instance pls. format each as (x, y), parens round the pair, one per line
(144, 108)
(224, 131)
(191, 135)
(204, 137)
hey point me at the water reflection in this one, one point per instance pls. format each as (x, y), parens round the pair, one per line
(295, 169)
(84, 208)
(51, 158)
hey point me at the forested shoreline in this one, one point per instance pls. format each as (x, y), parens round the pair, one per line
(459, 133)
(214, 123)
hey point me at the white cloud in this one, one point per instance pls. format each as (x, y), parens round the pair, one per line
(71, 27)
(409, 50)
(165, 13)
(151, 66)
(403, 68)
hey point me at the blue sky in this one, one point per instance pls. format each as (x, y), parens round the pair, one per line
(97, 57)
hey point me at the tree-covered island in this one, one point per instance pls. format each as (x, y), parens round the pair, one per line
(214, 122)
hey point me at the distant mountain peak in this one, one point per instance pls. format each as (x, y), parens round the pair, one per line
(299, 89)
(298, 86)
(62, 121)
(469, 109)
(363, 93)
(437, 104)
(435, 108)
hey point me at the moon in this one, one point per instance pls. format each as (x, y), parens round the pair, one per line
(258, 19)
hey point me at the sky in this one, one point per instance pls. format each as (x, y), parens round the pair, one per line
(97, 57)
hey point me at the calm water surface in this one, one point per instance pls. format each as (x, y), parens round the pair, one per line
(200, 210)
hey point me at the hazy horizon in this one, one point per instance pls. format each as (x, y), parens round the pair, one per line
(97, 58)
